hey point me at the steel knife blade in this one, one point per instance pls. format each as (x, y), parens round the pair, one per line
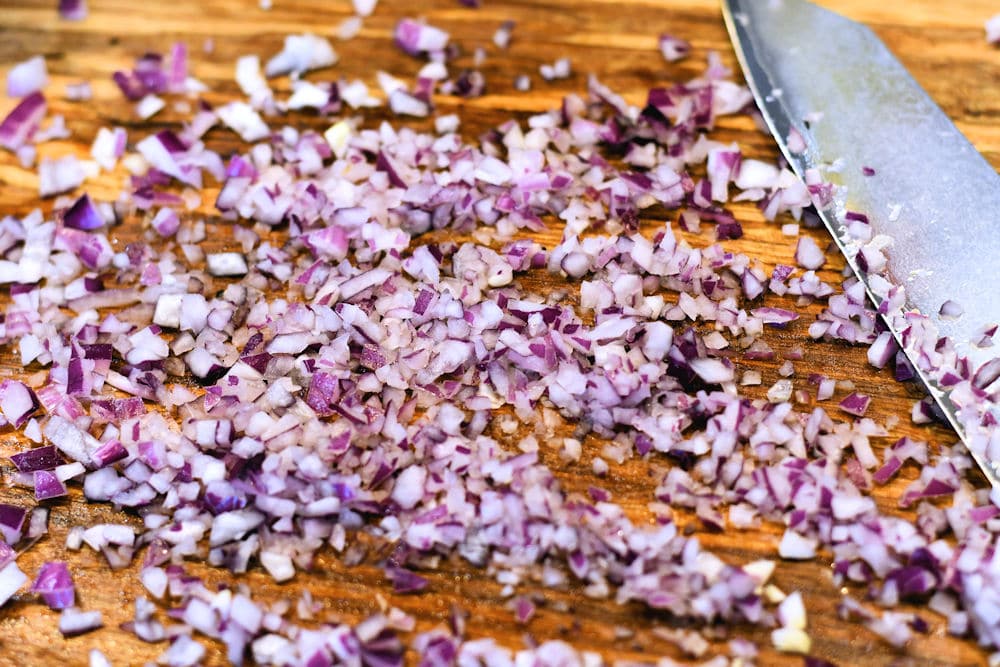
(864, 124)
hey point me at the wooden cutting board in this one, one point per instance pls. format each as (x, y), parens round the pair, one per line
(945, 49)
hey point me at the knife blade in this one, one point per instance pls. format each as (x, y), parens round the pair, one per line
(831, 87)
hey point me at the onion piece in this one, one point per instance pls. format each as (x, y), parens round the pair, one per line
(12, 520)
(73, 622)
(404, 581)
(279, 566)
(149, 106)
(242, 119)
(7, 554)
(993, 29)
(349, 28)
(97, 659)
(108, 147)
(855, 404)
(713, 371)
(808, 255)
(560, 69)
(39, 458)
(70, 440)
(22, 122)
(502, 36)
(61, 175)
(794, 546)
(11, 581)
(250, 79)
(301, 53)
(48, 485)
(79, 92)
(364, 8)
(226, 264)
(83, 215)
(417, 38)
(17, 402)
(403, 103)
(73, 10)
(27, 77)
(951, 310)
(673, 48)
(55, 585)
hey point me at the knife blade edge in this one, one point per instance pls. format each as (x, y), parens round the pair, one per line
(782, 121)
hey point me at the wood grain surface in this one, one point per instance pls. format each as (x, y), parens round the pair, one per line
(943, 46)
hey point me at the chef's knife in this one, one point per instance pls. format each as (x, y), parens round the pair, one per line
(869, 128)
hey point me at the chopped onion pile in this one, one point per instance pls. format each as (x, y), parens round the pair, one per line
(265, 402)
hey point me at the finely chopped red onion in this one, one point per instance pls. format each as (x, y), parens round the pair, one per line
(346, 381)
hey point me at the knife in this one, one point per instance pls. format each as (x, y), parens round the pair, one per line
(853, 114)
